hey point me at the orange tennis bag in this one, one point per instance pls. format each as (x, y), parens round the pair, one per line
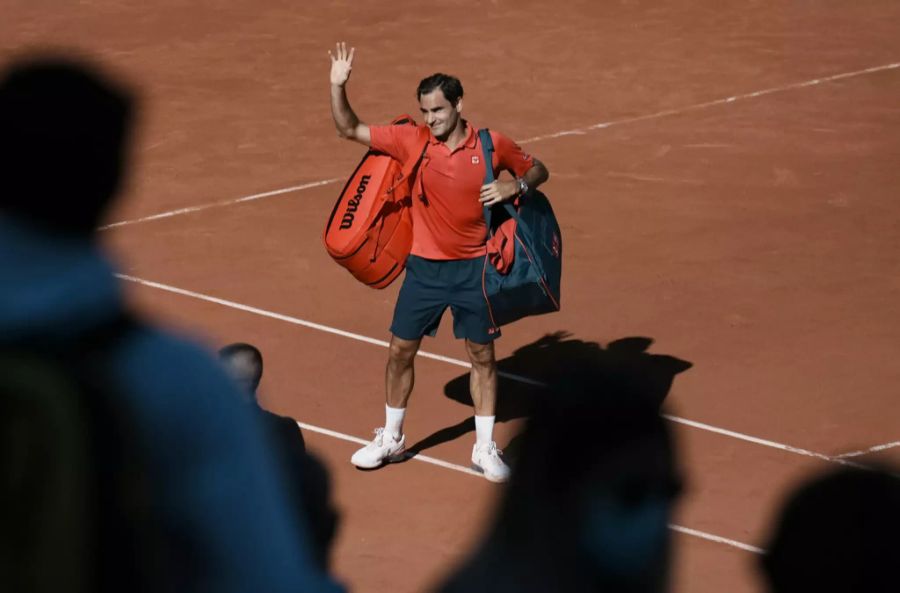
(369, 231)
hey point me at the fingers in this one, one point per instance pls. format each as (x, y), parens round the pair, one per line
(492, 187)
(493, 193)
(489, 194)
(341, 53)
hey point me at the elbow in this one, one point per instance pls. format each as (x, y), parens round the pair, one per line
(345, 133)
(543, 172)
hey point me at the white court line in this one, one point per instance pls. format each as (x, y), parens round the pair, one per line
(759, 441)
(732, 99)
(311, 325)
(575, 132)
(250, 198)
(874, 449)
(460, 363)
(716, 538)
(465, 470)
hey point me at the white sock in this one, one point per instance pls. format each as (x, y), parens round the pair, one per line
(484, 429)
(393, 421)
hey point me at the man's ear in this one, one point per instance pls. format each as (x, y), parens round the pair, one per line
(459, 105)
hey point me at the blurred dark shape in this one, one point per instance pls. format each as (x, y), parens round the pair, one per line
(307, 478)
(839, 532)
(624, 363)
(63, 143)
(588, 505)
(74, 501)
(126, 452)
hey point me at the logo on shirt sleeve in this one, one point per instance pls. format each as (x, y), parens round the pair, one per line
(475, 160)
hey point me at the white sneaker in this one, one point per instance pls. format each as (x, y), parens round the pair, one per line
(486, 459)
(383, 448)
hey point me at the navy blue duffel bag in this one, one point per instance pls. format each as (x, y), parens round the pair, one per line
(531, 286)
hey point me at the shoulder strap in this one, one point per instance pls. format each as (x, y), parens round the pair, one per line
(487, 149)
(410, 165)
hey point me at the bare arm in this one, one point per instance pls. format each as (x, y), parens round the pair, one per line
(345, 120)
(537, 174)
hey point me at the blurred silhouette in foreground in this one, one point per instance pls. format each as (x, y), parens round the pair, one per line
(307, 478)
(126, 454)
(839, 532)
(588, 505)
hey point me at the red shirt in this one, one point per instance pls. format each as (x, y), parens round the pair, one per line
(448, 220)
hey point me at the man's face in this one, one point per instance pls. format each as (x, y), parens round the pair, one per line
(440, 115)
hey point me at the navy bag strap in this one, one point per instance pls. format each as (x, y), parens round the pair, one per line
(487, 149)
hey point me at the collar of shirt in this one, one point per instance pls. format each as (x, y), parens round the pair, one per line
(468, 142)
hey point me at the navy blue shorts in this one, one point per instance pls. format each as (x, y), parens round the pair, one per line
(430, 286)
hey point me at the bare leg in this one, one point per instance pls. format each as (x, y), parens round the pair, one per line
(400, 373)
(483, 378)
(388, 444)
(483, 384)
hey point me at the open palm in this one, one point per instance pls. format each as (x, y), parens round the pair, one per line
(341, 63)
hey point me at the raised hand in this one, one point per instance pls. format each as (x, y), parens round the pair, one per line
(341, 63)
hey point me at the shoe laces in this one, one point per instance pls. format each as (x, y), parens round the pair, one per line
(492, 449)
(380, 436)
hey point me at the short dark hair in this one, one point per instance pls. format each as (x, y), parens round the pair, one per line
(63, 131)
(449, 85)
(249, 374)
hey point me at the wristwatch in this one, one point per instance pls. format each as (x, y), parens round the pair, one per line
(522, 185)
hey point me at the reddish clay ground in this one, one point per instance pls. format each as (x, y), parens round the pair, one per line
(756, 239)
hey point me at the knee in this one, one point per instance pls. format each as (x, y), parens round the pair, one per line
(401, 355)
(481, 355)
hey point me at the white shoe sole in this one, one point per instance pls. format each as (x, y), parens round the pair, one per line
(487, 477)
(394, 458)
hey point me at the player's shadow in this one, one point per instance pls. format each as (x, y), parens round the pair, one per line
(624, 365)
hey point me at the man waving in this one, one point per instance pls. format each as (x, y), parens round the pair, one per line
(448, 252)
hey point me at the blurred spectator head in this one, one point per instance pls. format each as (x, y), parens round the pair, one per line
(838, 532)
(597, 468)
(589, 501)
(64, 130)
(244, 364)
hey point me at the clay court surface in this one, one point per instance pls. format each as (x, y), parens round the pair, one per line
(725, 174)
